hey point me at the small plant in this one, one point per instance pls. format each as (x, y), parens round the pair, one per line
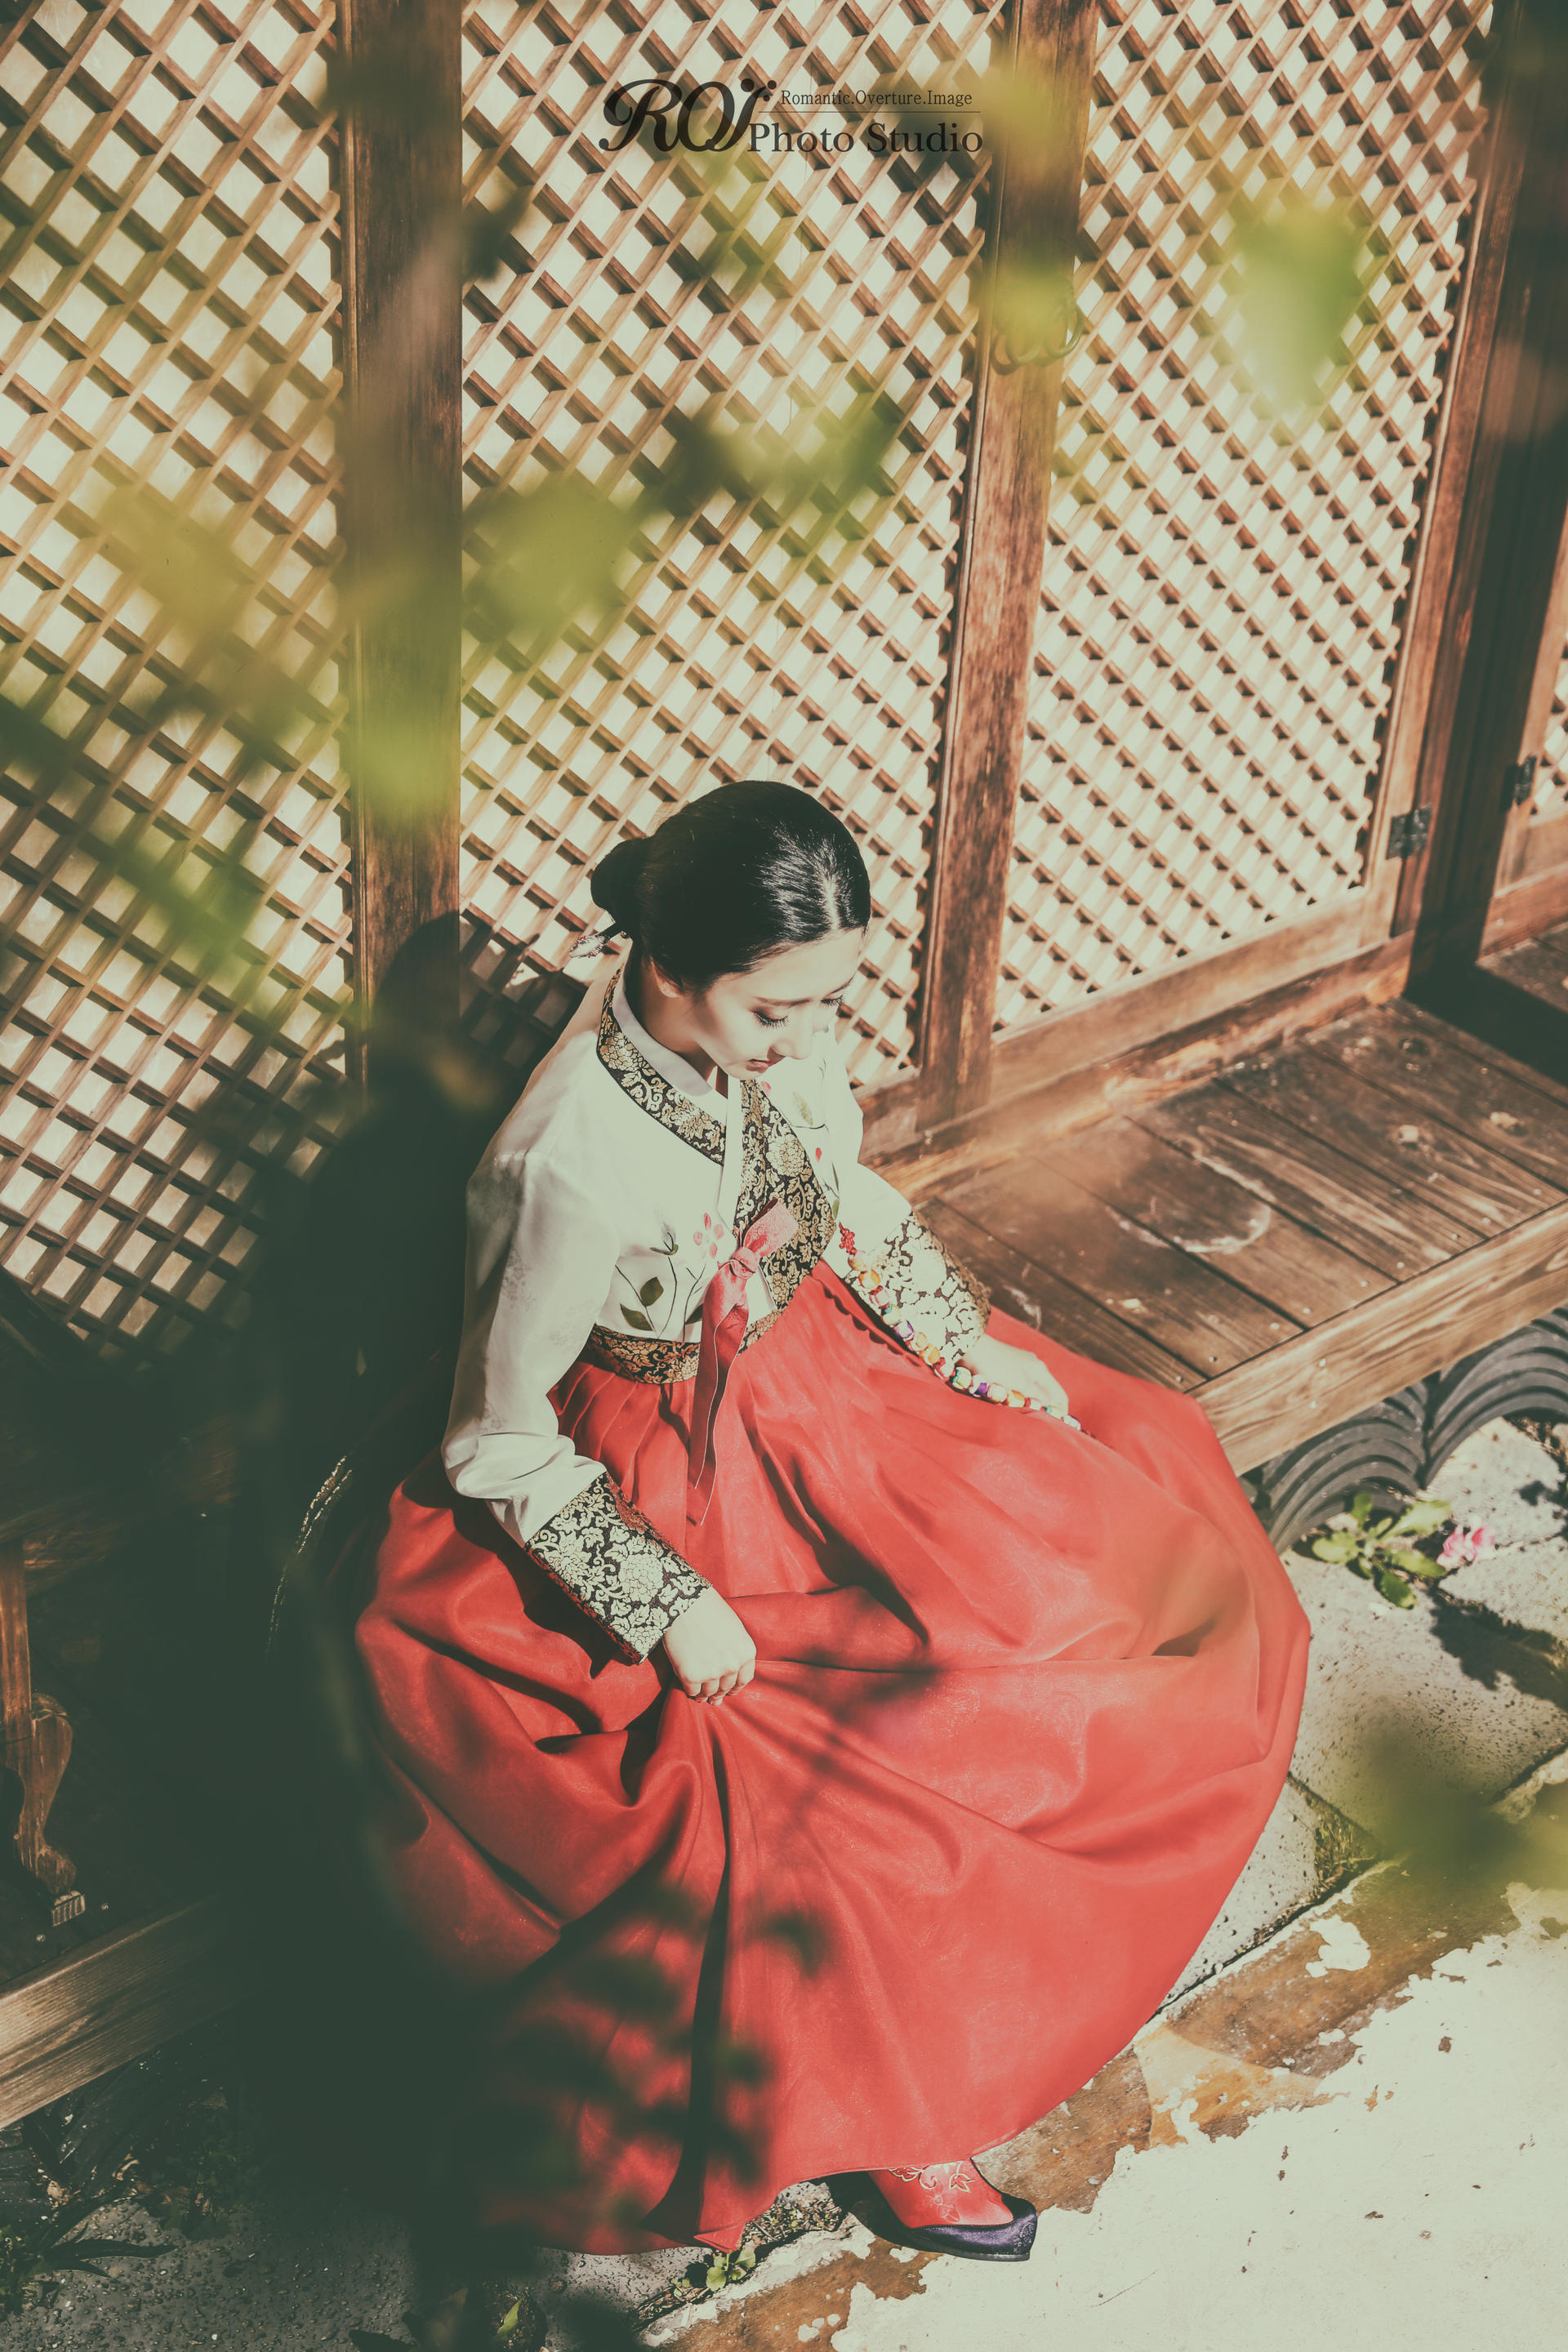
(1390, 1549)
(725, 2270)
(29, 2257)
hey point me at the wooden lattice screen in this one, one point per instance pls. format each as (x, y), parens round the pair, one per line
(168, 225)
(1222, 599)
(1552, 776)
(835, 682)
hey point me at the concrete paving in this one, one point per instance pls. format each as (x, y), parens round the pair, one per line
(1417, 2201)
(1471, 1680)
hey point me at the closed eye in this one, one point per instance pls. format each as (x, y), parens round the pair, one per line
(772, 1021)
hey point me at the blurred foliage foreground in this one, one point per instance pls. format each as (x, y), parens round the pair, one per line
(362, 2037)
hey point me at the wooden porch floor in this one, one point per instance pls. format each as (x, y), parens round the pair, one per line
(1291, 1241)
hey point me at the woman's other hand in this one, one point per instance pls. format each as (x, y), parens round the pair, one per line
(710, 1649)
(1002, 1367)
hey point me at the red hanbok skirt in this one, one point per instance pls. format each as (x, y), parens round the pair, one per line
(1025, 1698)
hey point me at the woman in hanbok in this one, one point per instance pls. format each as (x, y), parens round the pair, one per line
(827, 1706)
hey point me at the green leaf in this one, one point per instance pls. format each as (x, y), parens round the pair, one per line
(1413, 1563)
(509, 2325)
(1296, 280)
(651, 1289)
(1421, 1519)
(718, 2271)
(1360, 1507)
(1393, 1588)
(1339, 1548)
(637, 1320)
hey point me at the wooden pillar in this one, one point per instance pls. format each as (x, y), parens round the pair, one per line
(1032, 226)
(402, 281)
(1508, 532)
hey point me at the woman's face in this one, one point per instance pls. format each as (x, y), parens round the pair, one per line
(744, 1020)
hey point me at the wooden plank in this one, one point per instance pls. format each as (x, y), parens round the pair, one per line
(1393, 1051)
(1478, 1189)
(118, 1997)
(1210, 1217)
(1449, 547)
(1033, 208)
(1179, 1303)
(1476, 1049)
(1522, 1022)
(1309, 1178)
(1260, 1409)
(401, 192)
(1145, 1041)
(1536, 902)
(1538, 967)
(1521, 832)
(1546, 847)
(1035, 1296)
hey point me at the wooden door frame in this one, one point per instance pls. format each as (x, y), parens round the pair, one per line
(1501, 632)
(1157, 1034)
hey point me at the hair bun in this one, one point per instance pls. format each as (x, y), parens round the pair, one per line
(612, 883)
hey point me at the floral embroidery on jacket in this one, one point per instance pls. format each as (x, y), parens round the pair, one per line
(609, 1557)
(927, 1296)
(774, 1166)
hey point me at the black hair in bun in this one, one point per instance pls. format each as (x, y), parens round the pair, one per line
(613, 883)
(732, 877)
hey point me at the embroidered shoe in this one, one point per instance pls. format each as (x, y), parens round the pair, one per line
(952, 2209)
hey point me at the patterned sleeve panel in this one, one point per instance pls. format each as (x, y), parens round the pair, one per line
(608, 1556)
(889, 1256)
(928, 1298)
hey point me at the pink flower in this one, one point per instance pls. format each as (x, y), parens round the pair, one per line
(1462, 1545)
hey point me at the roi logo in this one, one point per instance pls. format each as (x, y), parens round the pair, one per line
(655, 101)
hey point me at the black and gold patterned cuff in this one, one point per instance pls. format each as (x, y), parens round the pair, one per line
(609, 1557)
(927, 1296)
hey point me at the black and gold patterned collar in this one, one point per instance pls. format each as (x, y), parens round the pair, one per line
(652, 1091)
(773, 1163)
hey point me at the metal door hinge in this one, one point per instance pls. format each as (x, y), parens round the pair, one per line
(1409, 832)
(1519, 784)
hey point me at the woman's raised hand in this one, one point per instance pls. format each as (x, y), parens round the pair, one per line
(710, 1649)
(1003, 1368)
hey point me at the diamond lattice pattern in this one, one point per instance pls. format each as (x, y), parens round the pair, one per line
(1222, 589)
(730, 662)
(167, 211)
(1552, 775)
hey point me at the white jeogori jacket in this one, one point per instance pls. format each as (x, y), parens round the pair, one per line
(597, 1218)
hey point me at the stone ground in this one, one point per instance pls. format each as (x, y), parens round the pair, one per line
(1349, 2117)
